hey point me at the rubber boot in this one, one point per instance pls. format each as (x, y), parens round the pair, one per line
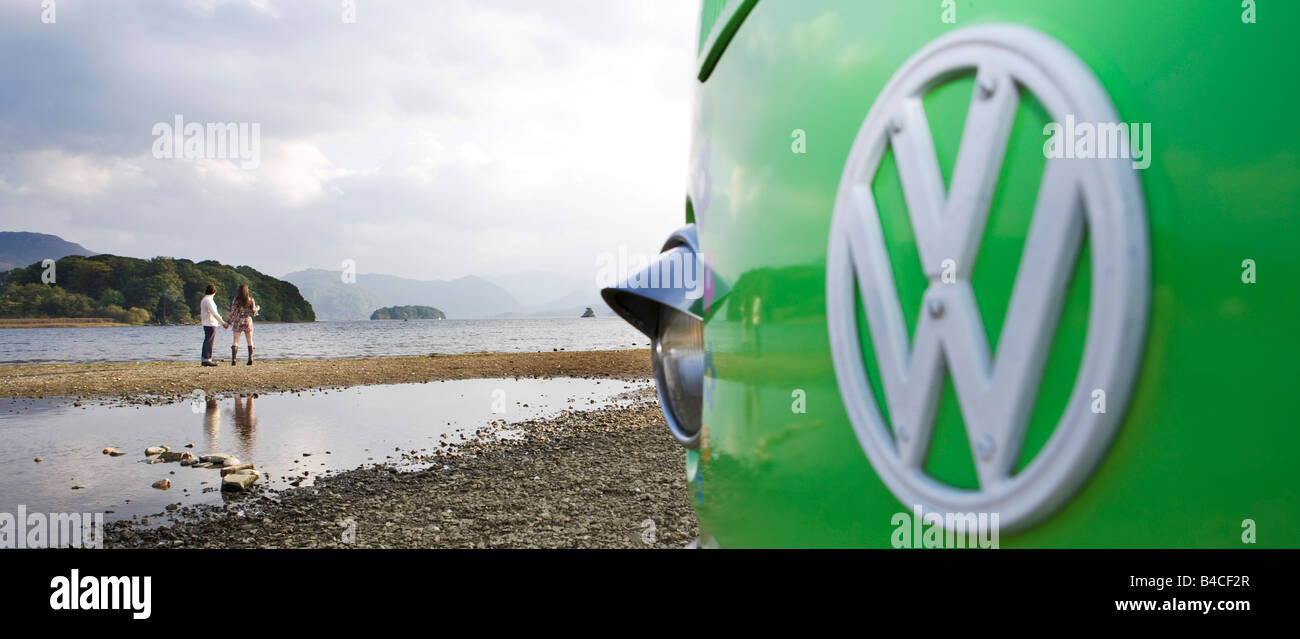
(250, 355)
(234, 353)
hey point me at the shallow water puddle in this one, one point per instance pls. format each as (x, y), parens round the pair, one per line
(287, 436)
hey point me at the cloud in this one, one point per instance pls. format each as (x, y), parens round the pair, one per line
(297, 172)
(207, 7)
(427, 139)
(75, 175)
(67, 176)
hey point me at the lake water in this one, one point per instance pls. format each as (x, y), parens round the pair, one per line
(318, 340)
(339, 429)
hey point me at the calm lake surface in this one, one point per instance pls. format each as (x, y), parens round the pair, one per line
(318, 340)
(338, 430)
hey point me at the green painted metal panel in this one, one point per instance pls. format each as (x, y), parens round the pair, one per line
(1209, 438)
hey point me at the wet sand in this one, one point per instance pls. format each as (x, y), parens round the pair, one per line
(171, 381)
(613, 478)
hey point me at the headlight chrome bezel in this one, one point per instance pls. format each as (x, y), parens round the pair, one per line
(671, 305)
(678, 354)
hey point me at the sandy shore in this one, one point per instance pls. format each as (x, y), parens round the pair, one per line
(611, 478)
(176, 380)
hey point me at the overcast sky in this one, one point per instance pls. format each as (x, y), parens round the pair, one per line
(429, 139)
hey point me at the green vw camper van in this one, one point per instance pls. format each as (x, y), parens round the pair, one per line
(1017, 270)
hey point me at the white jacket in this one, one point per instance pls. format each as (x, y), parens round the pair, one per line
(208, 312)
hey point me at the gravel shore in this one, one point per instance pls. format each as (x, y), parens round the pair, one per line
(174, 381)
(611, 478)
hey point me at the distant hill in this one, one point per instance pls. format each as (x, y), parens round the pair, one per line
(331, 298)
(572, 304)
(162, 290)
(459, 298)
(407, 312)
(537, 290)
(552, 294)
(19, 248)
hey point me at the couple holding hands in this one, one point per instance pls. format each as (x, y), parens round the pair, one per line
(242, 311)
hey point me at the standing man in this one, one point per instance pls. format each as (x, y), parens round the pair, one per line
(210, 319)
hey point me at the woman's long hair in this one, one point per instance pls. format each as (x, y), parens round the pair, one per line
(242, 298)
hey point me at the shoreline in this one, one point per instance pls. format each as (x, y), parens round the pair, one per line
(609, 478)
(59, 322)
(175, 381)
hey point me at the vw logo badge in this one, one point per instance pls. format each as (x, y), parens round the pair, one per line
(1099, 199)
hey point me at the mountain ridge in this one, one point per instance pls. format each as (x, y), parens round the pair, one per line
(21, 248)
(468, 296)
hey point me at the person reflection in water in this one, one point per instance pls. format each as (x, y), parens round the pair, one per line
(212, 424)
(245, 424)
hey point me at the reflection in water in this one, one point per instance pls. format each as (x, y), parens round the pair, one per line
(212, 424)
(289, 438)
(244, 422)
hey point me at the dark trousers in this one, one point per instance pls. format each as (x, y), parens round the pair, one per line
(209, 336)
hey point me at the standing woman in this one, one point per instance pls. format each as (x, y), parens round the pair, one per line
(242, 310)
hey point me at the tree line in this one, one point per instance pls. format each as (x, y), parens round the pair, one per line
(162, 290)
(407, 312)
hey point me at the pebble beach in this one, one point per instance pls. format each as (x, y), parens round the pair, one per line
(604, 478)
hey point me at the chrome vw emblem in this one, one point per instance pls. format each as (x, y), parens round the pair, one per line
(1099, 199)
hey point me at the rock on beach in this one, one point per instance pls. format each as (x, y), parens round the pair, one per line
(240, 481)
